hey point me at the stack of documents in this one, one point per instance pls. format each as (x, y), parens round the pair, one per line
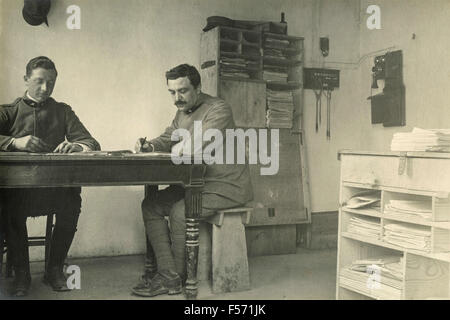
(275, 76)
(409, 208)
(365, 199)
(236, 67)
(408, 236)
(234, 73)
(422, 140)
(388, 266)
(279, 119)
(378, 277)
(276, 43)
(365, 226)
(280, 109)
(274, 53)
(233, 62)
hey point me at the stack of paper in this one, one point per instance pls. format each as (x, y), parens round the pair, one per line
(235, 74)
(365, 199)
(277, 76)
(280, 96)
(387, 266)
(280, 109)
(408, 236)
(274, 53)
(422, 140)
(378, 277)
(373, 289)
(236, 67)
(411, 208)
(233, 62)
(366, 226)
(276, 43)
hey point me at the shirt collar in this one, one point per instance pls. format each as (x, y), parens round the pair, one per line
(30, 97)
(200, 100)
(29, 100)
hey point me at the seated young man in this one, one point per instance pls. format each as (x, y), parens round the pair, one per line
(38, 123)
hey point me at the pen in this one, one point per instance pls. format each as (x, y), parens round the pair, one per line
(143, 142)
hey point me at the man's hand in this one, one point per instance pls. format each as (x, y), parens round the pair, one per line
(31, 144)
(68, 147)
(143, 146)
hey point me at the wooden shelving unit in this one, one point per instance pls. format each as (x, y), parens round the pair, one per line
(425, 270)
(281, 201)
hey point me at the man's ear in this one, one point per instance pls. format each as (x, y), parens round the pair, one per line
(199, 88)
(25, 79)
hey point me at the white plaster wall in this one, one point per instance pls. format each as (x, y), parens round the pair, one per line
(112, 73)
(426, 69)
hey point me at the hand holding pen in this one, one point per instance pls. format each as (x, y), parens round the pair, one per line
(142, 145)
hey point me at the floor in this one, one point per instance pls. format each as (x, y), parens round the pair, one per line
(306, 275)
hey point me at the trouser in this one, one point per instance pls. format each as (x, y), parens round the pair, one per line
(169, 243)
(19, 204)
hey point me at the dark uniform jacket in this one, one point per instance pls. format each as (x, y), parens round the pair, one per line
(50, 120)
(53, 122)
(228, 180)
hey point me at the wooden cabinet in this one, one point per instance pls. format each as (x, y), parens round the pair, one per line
(246, 68)
(247, 101)
(421, 180)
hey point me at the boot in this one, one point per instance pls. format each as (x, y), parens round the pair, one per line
(55, 278)
(165, 281)
(22, 282)
(60, 245)
(145, 279)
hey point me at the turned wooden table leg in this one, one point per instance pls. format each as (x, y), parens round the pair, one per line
(150, 266)
(193, 201)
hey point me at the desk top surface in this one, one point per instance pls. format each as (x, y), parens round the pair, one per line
(412, 154)
(84, 156)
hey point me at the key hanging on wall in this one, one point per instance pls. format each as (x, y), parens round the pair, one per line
(327, 93)
(318, 94)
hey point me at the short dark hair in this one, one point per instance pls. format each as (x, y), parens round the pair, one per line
(184, 70)
(40, 62)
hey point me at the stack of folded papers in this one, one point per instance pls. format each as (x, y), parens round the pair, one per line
(365, 226)
(379, 277)
(408, 236)
(237, 67)
(276, 43)
(275, 76)
(437, 140)
(280, 109)
(388, 266)
(365, 199)
(409, 208)
(274, 53)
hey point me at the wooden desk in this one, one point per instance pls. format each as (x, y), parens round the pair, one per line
(19, 170)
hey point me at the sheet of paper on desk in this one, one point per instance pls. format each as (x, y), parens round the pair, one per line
(149, 154)
(96, 153)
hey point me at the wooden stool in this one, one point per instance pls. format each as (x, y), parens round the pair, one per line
(228, 250)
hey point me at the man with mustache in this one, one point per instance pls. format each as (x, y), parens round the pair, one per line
(226, 185)
(38, 123)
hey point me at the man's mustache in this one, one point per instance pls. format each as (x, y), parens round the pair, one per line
(180, 103)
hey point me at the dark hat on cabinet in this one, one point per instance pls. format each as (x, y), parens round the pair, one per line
(35, 11)
(215, 21)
